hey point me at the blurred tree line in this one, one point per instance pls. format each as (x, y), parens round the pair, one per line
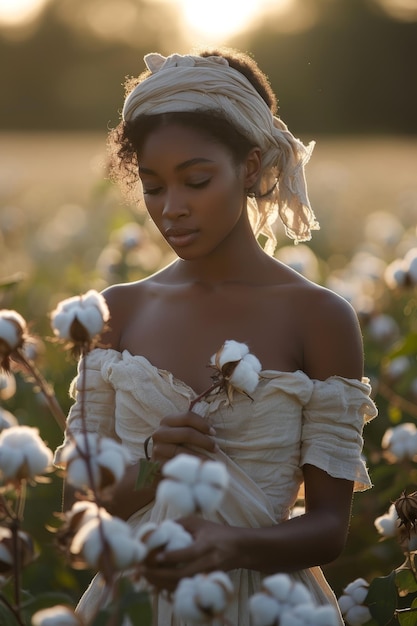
(352, 71)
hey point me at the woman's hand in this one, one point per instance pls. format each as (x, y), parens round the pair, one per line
(215, 547)
(186, 432)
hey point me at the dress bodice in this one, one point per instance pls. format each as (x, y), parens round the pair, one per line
(290, 420)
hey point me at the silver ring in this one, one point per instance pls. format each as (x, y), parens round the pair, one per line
(146, 443)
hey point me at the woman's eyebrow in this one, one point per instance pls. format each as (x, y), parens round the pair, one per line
(179, 167)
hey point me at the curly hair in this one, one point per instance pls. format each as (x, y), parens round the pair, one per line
(126, 140)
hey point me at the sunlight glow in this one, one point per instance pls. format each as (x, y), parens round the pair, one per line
(15, 12)
(219, 19)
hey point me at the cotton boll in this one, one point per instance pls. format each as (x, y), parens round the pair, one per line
(410, 260)
(78, 475)
(278, 585)
(177, 495)
(214, 473)
(145, 531)
(207, 497)
(231, 351)
(168, 535)
(263, 609)
(92, 320)
(179, 541)
(358, 589)
(395, 274)
(107, 461)
(12, 331)
(124, 549)
(7, 419)
(211, 596)
(396, 368)
(324, 616)
(299, 594)
(351, 603)
(90, 311)
(400, 442)
(245, 377)
(387, 525)
(383, 329)
(56, 616)
(23, 454)
(183, 467)
(221, 578)
(202, 597)
(357, 616)
(345, 603)
(289, 617)
(185, 606)
(7, 389)
(113, 457)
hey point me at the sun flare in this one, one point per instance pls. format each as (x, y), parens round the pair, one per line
(218, 19)
(13, 12)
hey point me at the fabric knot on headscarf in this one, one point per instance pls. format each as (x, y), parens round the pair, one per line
(181, 83)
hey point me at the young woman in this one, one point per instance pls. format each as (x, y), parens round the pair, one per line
(217, 167)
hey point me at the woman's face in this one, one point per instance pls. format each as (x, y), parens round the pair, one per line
(193, 190)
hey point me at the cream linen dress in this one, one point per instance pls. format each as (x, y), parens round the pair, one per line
(264, 443)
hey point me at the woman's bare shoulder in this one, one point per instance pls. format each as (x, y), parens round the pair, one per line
(122, 300)
(332, 336)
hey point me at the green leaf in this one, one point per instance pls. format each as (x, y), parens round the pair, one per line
(406, 347)
(147, 473)
(405, 581)
(407, 617)
(382, 598)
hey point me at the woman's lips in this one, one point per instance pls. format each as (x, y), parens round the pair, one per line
(179, 237)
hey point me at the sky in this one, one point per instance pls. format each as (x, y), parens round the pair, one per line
(202, 18)
(216, 20)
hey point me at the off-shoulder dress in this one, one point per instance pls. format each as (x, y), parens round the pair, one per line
(291, 420)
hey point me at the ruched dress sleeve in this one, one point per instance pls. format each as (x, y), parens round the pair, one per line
(333, 421)
(98, 403)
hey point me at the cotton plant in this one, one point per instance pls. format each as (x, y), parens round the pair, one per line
(391, 597)
(14, 339)
(282, 601)
(91, 536)
(24, 460)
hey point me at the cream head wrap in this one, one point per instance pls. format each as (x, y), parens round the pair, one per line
(192, 83)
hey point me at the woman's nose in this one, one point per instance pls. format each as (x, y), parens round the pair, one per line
(175, 205)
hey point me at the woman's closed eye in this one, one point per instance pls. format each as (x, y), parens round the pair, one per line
(199, 184)
(151, 191)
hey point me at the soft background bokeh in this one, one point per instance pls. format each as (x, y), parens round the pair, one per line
(345, 75)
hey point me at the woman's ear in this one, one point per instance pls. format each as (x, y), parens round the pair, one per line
(252, 169)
